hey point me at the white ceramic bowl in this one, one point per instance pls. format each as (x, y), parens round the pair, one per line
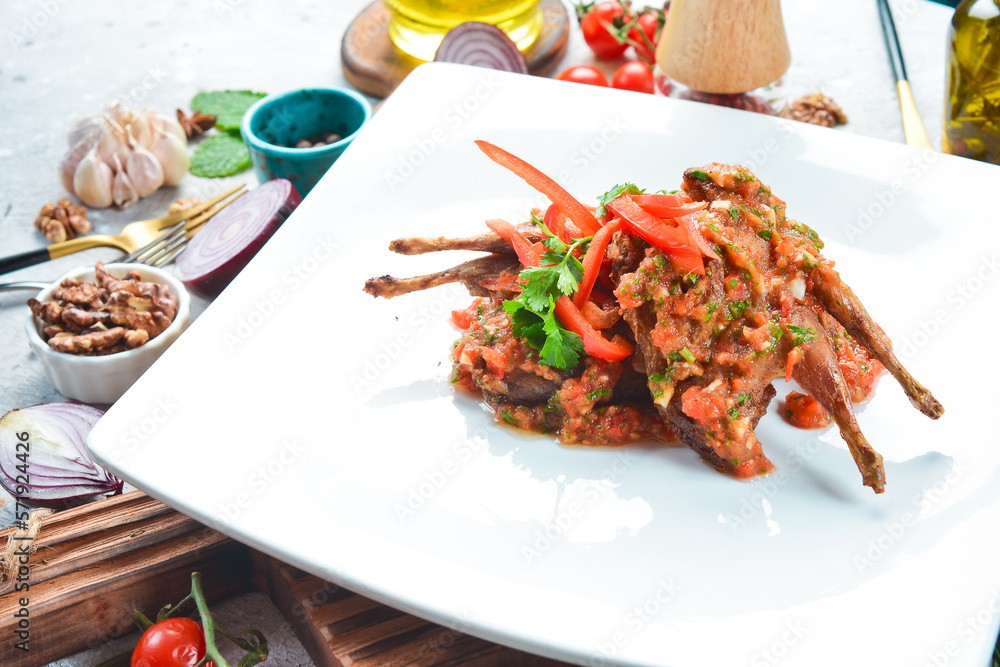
(104, 379)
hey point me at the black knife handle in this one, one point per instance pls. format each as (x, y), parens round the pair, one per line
(30, 258)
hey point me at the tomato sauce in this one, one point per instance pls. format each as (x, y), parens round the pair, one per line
(580, 411)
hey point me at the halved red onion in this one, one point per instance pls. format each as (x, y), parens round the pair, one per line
(482, 45)
(43, 454)
(232, 237)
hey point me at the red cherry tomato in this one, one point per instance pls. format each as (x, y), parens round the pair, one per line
(595, 32)
(650, 25)
(584, 74)
(173, 642)
(634, 75)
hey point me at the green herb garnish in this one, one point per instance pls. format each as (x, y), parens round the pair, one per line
(712, 307)
(220, 155)
(533, 311)
(700, 175)
(228, 106)
(614, 193)
(686, 353)
(737, 308)
(557, 346)
(801, 335)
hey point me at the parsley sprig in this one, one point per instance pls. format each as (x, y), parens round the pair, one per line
(801, 335)
(532, 313)
(614, 193)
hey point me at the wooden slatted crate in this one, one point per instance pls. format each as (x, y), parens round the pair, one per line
(98, 562)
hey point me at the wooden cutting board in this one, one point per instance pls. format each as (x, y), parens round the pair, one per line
(96, 563)
(374, 65)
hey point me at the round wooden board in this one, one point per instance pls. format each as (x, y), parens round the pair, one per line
(374, 65)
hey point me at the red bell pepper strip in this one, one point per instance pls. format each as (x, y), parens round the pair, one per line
(685, 265)
(556, 222)
(594, 344)
(592, 262)
(658, 206)
(675, 199)
(660, 234)
(566, 203)
(525, 249)
(689, 224)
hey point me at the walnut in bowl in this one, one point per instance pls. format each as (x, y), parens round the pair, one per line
(96, 330)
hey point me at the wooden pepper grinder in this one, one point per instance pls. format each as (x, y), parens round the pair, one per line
(724, 46)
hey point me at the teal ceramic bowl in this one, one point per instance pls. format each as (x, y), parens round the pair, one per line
(273, 126)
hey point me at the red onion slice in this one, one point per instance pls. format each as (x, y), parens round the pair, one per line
(482, 45)
(232, 237)
(43, 454)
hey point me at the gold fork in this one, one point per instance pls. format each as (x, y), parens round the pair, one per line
(133, 236)
(162, 250)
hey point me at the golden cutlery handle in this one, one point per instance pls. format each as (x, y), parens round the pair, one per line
(57, 250)
(913, 126)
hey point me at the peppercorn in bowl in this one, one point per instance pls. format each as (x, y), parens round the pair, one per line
(97, 329)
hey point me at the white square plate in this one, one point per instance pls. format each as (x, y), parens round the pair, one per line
(317, 424)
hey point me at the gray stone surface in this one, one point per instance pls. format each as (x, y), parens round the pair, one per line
(61, 59)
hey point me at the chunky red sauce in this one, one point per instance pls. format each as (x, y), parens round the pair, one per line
(580, 411)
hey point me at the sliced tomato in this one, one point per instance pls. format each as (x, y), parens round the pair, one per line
(563, 200)
(805, 411)
(696, 403)
(656, 232)
(496, 361)
(592, 262)
(463, 318)
(594, 343)
(794, 356)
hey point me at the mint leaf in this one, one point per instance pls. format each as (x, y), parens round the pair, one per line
(220, 155)
(228, 106)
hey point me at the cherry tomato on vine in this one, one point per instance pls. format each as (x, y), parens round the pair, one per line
(595, 32)
(650, 24)
(584, 74)
(173, 642)
(633, 75)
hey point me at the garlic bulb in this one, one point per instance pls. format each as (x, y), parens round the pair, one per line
(168, 124)
(140, 129)
(172, 155)
(69, 162)
(92, 180)
(138, 152)
(118, 113)
(87, 127)
(143, 169)
(122, 192)
(113, 142)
